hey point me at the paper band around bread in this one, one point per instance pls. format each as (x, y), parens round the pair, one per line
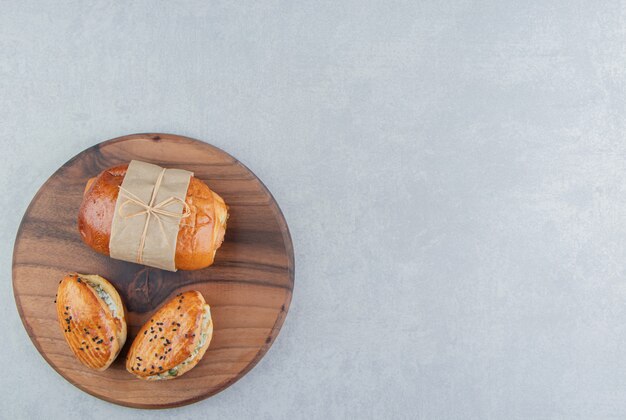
(147, 215)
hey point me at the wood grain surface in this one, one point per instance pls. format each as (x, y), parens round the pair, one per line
(249, 286)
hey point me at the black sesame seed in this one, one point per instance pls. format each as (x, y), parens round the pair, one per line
(160, 367)
(111, 339)
(145, 332)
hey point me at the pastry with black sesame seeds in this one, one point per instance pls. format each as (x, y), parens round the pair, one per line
(90, 311)
(180, 345)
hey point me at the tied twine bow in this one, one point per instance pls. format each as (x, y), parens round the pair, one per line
(152, 210)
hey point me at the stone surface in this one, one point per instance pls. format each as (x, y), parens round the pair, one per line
(453, 174)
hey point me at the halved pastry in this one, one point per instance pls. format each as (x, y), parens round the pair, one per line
(174, 340)
(91, 315)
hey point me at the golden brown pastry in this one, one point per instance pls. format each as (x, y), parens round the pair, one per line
(174, 340)
(91, 315)
(199, 235)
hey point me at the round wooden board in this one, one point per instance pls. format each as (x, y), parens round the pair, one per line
(248, 287)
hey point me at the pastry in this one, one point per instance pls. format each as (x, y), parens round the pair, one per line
(173, 340)
(199, 235)
(91, 315)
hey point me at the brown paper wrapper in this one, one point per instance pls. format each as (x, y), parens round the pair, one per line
(148, 213)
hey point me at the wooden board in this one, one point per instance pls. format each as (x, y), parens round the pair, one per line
(249, 286)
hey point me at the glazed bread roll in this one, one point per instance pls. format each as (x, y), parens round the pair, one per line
(174, 340)
(199, 235)
(91, 315)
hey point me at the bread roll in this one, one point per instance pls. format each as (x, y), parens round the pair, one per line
(92, 317)
(174, 340)
(199, 235)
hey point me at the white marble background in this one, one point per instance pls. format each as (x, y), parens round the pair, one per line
(453, 174)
